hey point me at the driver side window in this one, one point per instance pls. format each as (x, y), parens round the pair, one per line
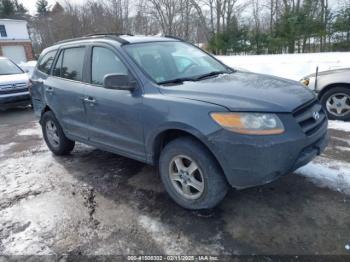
(105, 62)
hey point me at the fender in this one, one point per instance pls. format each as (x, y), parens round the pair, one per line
(153, 136)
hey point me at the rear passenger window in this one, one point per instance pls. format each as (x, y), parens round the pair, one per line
(105, 62)
(46, 62)
(70, 64)
(57, 69)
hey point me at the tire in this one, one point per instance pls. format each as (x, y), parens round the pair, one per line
(208, 177)
(335, 94)
(64, 145)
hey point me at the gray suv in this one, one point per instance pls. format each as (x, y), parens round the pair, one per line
(165, 102)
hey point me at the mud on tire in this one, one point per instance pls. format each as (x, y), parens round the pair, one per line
(54, 137)
(208, 179)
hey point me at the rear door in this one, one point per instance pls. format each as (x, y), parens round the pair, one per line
(64, 91)
(113, 115)
(41, 73)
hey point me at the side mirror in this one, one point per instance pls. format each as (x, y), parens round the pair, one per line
(119, 82)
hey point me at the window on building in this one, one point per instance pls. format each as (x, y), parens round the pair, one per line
(3, 31)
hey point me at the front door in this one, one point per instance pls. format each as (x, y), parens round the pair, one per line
(113, 115)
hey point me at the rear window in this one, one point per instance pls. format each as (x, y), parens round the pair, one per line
(70, 64)
(46, 61)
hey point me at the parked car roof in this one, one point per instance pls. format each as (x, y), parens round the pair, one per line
(141, 39)
(123, 39)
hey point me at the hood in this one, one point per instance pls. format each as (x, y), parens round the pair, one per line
(329, 72)
(243, 91)
(14, 79)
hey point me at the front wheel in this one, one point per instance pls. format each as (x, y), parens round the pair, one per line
(191, 175)
(54, 137)
(336, 102)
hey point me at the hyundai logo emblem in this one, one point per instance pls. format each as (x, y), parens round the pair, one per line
(316, 115)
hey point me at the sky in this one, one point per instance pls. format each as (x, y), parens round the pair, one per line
(30, 4)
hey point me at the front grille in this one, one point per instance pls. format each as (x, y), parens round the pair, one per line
(305, 117)
(13, 88)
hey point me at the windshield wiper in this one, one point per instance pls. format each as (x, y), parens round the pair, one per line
(213, 73)
(180, 80)
(176, 81)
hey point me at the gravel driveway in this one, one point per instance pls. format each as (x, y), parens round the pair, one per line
(96, 203)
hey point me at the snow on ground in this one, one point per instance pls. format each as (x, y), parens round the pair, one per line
(28, 66)
(5, 147)
(162, 235)
(35, 131)
(329, 173)
(175, 242)
(339, 125)
(292, 66)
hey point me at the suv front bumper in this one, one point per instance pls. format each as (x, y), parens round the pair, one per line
(15, 99)
(249, 161)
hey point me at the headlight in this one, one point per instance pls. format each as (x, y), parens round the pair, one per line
(250, 123)
(305, 81)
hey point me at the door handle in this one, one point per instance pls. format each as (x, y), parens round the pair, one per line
(37, 82)
(90, 100)
(49, 89)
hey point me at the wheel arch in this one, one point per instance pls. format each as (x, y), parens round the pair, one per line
(45, 109)
(330, 86)
(167, 135)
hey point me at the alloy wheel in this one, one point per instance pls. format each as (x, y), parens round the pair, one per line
(51, 133)
(186, 177)
(338, 104)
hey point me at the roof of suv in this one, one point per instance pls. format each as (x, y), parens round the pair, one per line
(123, 39)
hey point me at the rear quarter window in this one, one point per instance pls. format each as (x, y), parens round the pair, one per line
(45, 63)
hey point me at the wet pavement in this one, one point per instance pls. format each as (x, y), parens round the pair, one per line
(97, 203)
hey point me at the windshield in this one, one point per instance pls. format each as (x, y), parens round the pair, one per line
(7, 67)
(167, 61)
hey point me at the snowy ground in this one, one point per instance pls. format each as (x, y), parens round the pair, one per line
(95, 203)
(292, 66)
(327, 171)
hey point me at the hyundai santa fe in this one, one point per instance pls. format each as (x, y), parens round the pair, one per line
(165, 102)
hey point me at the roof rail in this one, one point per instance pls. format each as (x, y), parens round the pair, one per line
(175, 37)
(109, 34)
(101, 35)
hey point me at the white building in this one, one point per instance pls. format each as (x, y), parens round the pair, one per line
(14, 40)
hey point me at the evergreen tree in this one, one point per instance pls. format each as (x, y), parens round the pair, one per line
(20, 10)
(42, 7)
(7, 8)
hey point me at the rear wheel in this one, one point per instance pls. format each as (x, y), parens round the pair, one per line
(191, 175)
(54, 137)
(336, 102)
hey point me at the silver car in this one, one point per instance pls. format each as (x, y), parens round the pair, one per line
(333, 90)
(14, 84)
